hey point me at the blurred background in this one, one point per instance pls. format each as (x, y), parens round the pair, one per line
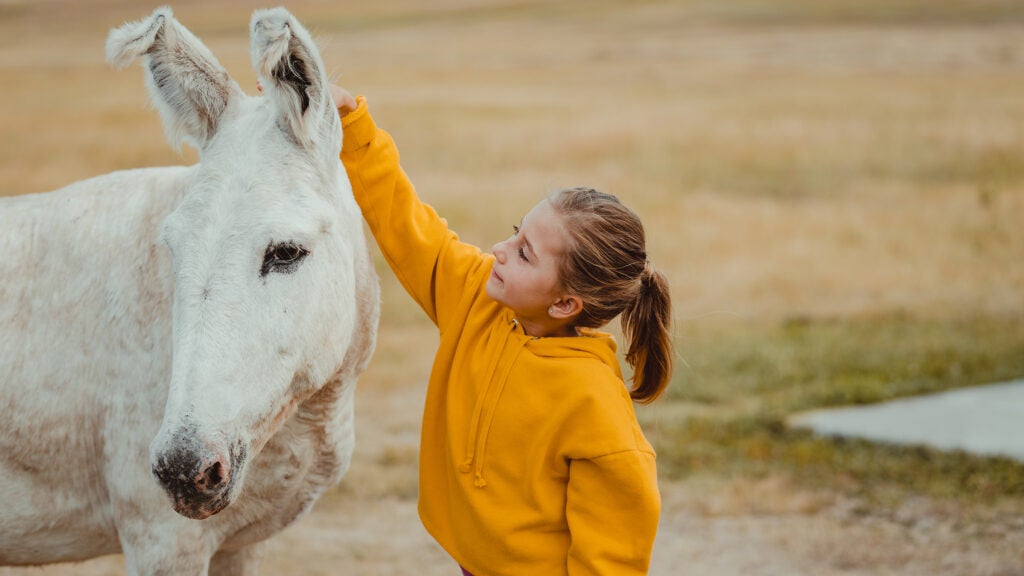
(835, 189)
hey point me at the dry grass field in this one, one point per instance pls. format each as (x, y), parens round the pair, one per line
(834, 188)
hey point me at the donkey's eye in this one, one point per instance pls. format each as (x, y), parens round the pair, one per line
(283, 258)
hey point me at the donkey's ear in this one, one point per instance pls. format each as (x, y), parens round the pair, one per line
(188, 86)
(292, 74)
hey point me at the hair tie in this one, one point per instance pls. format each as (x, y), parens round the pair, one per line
(643, 281)
(648, 270)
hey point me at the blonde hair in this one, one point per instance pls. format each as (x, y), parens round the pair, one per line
(606, 265)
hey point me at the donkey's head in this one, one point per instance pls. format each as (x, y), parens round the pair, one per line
(263, 245)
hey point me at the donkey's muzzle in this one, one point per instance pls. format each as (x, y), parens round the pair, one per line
(197, 480)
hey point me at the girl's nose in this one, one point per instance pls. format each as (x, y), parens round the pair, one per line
(499, 252)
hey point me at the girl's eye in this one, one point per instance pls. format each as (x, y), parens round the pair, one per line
(515, 232)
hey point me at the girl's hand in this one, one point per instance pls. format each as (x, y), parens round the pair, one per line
(343, 101)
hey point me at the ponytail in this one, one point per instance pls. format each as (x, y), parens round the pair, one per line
(606, 266)
(645, 326)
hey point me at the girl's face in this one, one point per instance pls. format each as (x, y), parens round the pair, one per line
(525, 274)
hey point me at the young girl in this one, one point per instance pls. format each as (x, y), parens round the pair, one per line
(531, 458)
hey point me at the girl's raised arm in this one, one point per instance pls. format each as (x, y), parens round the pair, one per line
(426, 257)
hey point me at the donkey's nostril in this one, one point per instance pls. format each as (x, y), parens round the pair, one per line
(212, 478)
(213, 473)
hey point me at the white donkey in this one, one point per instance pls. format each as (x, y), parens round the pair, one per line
(179, 346)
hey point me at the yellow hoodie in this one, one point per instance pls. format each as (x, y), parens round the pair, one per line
(531, 459)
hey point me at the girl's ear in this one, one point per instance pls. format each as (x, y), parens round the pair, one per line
(566, 307)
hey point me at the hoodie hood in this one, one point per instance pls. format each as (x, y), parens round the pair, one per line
(590, 343)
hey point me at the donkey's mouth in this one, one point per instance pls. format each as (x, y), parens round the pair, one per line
(201, 510)
(200, 504)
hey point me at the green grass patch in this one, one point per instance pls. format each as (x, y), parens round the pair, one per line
(730, 403)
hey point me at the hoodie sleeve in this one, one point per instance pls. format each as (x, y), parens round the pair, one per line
(426, 257)
(612, 507)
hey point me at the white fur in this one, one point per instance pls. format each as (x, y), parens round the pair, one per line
(135, 323)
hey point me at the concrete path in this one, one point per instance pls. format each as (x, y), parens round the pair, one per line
(985, 420)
